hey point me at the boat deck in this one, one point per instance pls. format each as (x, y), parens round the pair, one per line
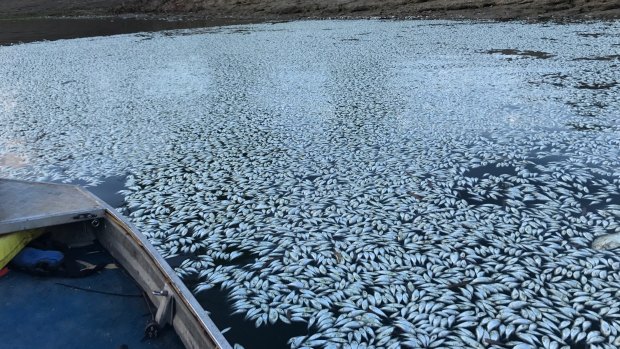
(28, 205)
(44, 312)
(104, 310)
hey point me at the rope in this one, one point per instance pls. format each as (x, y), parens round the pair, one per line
(100, 292)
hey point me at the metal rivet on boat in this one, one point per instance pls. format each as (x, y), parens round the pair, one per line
(162, 293)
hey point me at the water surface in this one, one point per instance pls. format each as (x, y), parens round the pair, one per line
(14, 31)
(385, 183)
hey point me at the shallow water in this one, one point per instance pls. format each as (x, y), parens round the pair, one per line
(372, 182)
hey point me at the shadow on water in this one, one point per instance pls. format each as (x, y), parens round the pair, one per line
(13, 31)
(244, 332)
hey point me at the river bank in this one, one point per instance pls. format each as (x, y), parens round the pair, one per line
(262, 10)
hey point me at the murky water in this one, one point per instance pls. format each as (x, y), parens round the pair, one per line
(109, 190)
(15, 31)
(350, 183)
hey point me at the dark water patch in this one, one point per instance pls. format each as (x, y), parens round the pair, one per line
(501, 190)
(587, 127)
(37, 29)
(596, 86)
(177, 260)
(444, 24)
(490, 170)
(534, 203)
(590, 35)
(546, 160)
(578, 109)
(598, 58)
(556, 76)
(244, 332)
(554, 79)
(244, 259)
(473, 200)
(240, 31)
(526, 53)
(311, 177)
(591, 206)
(598, 105)
(108, 190)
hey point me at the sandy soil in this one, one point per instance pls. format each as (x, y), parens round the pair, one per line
(295, 9)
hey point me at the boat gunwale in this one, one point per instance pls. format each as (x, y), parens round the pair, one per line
(157, 269)
(172, 279)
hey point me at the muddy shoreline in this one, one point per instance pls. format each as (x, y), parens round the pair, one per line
(35, 20)
(263, 10)
(39, 23)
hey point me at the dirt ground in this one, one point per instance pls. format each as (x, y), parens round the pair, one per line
(296, 9)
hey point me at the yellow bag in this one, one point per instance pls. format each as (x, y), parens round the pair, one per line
(11, 244)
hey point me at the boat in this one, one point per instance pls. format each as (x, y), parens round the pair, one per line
(136, 301)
